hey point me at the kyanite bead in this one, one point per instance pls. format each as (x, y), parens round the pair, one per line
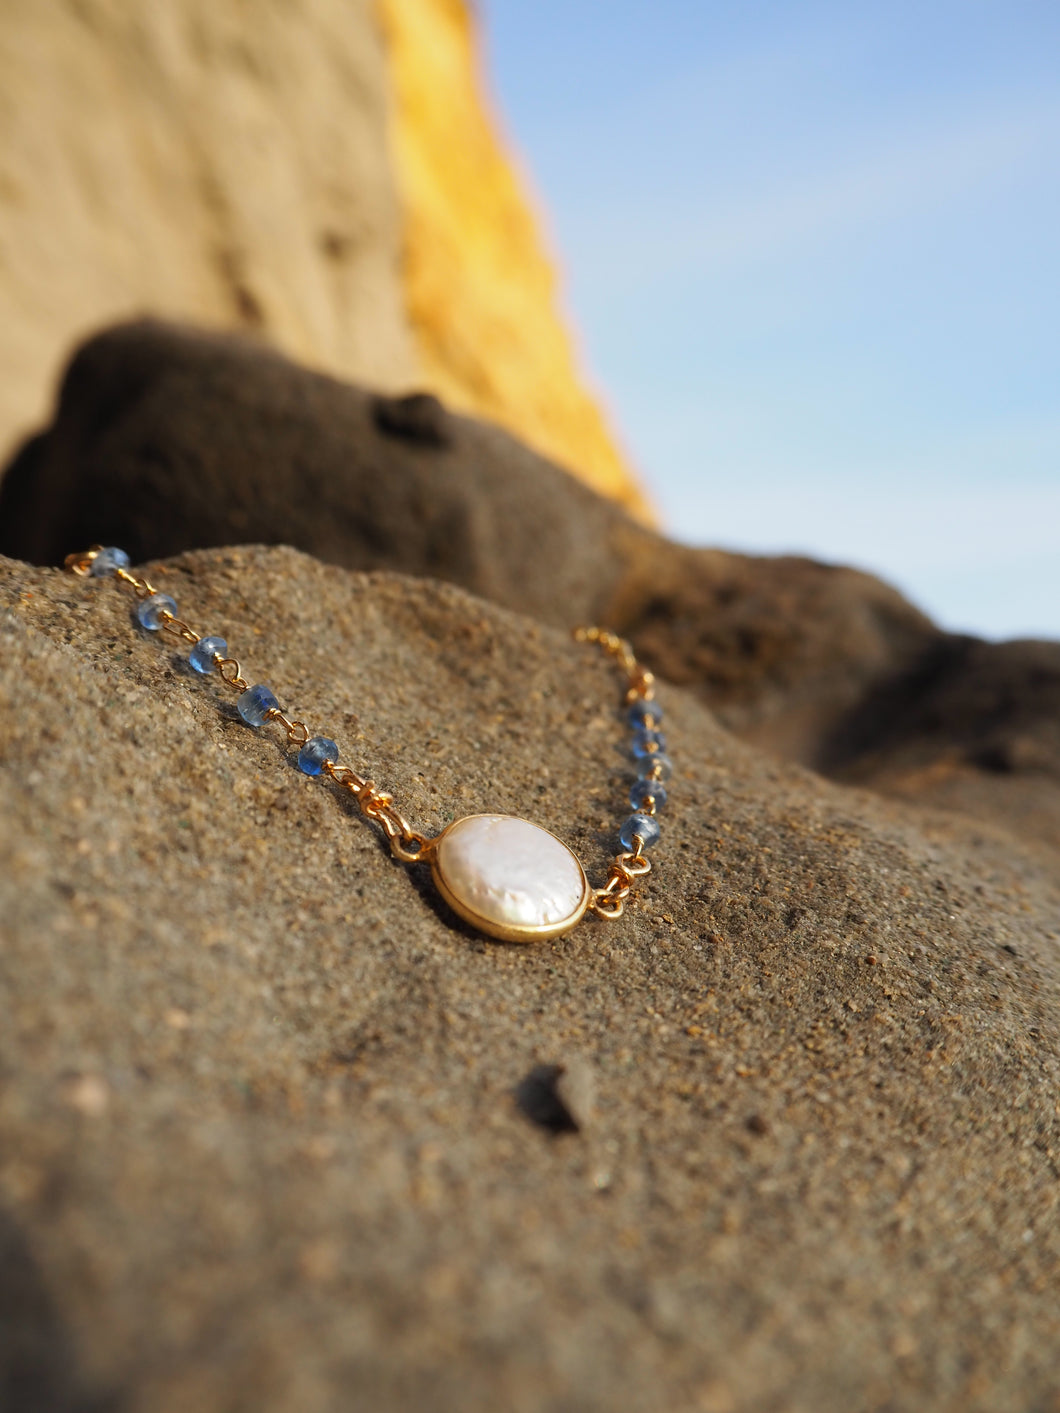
(255, 704)
(645, 743)
(315, 752)
(644, 790)
(203, 653)
(149, 611)
(645, 715)
(642, 827)
(107, 561)
(657, 766)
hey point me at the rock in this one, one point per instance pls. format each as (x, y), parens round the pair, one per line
(560, 1098)
(417, 417)
(166, 439)
(480, 284)
(215, 441)
(235, 167)
(258, 1140)
(575, 1087)
(232, 174)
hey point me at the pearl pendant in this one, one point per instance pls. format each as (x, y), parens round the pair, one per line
(509, 878)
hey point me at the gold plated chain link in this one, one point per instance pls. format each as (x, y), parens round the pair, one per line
(406, 843)
(640, 682)
(610, 900)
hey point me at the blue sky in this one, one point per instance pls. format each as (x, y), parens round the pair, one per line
(812, 253)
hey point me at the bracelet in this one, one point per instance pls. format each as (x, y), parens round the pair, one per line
(509, 878)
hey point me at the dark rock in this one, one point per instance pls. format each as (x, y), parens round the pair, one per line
(419, 417)
(166, 439)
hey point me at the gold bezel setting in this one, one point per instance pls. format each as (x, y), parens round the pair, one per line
(507, 932)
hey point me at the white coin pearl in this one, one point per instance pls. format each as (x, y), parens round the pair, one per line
(506, 873)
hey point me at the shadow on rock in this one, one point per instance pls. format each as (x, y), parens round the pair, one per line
(38, 1372)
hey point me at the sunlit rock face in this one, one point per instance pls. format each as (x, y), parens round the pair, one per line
(234, 172)
(480, 286)
(294, 171)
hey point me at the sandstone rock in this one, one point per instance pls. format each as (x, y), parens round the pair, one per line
(480, 287)
(260, 1145)
(232, 166)
(180, 160)
(166, 440)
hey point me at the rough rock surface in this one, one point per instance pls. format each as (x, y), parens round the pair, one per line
(276, 1132)
(236, 165)
(166, 440)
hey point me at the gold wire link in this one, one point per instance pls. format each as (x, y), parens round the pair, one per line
(297, 731)
(631, 865)
(374, 803)
(624, 868)
(140, 587)
(401, 834)
(172, 624)
(236, 679)
(344, 776)
(395, 823)
(610, 900)
(399, 847)
(378, 805)
(605, 907)
(639, 681)
(369, 796)
(80, 562)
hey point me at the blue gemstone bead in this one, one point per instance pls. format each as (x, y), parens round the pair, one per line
(642, 827)
(255, 704)
(107, 561)
(150, 611)
(645, 743)
(202, 654)
(647, 790)
(315, 752)
(645, 715)
(656, 766)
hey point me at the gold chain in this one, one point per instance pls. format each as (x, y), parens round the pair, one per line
(408, 844)
(640, 682)
(610, 900)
